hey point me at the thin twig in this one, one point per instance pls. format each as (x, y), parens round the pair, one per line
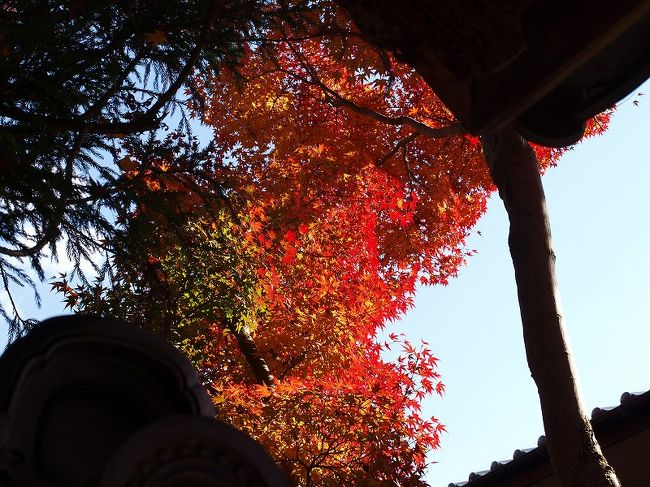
(401, 144)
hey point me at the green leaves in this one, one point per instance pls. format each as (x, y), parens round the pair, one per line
(78, 82)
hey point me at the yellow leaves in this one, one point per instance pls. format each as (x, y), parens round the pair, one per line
(312, 150)
(164, 166)
(219, 399)
(279, 103)
(298, 422)
(249, 321)
(152, 184)
(317, 150)
(264, 391)
(157, 37)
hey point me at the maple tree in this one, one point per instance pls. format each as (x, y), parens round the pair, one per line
(278, 293)
(281, 317)
(348, 85)
(173, 242)
(335, 183)
(316, 246)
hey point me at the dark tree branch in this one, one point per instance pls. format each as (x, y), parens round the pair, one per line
(98, 107)
(148, 121)
(338, 100)
(294, 362)
(52, 229)
(71, 124)
(187, 69)
(419, 127)
(401, 144)
(249, 350)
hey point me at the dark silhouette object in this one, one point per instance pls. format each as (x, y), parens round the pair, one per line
(90, 401)
(545, 67)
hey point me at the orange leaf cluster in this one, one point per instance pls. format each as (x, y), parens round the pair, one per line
(351, 201)
(344, 183)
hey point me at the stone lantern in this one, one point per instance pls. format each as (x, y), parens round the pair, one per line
(87, 401)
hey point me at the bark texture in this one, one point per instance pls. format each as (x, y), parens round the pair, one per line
(249, 350)
(574, 452)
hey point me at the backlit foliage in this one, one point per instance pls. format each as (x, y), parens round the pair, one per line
(335, 184)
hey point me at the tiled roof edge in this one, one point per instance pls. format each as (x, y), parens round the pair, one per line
(631, 403)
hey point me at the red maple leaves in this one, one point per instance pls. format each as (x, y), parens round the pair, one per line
(344, 184)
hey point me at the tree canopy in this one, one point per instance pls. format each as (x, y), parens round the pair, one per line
(76, 78)
(275, 256)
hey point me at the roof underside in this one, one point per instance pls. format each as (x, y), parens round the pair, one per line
(544, 66)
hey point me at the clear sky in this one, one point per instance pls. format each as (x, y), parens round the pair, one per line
(599, 205)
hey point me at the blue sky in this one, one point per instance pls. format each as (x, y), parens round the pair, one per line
(599, 206)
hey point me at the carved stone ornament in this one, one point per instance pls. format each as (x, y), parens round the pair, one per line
(88, 401)
(189, 450)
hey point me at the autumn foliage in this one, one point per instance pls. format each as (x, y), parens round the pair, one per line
(339, 183)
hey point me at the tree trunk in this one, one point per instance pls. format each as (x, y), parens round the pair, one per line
(574, 452)
(248, 348)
